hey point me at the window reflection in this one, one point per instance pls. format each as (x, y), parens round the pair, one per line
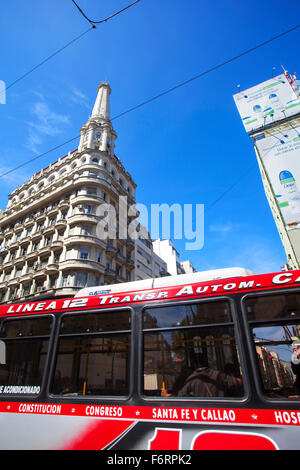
(24, 349)
(191, 361)
(274, 349)
(185, 315)
(276, 332)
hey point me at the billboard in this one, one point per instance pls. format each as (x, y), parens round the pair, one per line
(267, 102)
(280, 155)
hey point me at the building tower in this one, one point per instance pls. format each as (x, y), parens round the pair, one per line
(270, 113)
(50, 243)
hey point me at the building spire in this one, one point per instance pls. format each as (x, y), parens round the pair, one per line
(101, 107)
(98, 132)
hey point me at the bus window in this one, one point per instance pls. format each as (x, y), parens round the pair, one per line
(191, 351)
(93, 356)
(275, 328)
(26, 345)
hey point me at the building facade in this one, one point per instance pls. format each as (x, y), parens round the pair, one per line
(61, 229)
(147, 263)
(165, 250)
(270, 113)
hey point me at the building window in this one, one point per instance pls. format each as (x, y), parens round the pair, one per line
(26, 289)
(52, 282)
(81, 279)
(84, 253)
(48, 241)
(86, 230)
(67, 279)
(91, 192)
(88, 209)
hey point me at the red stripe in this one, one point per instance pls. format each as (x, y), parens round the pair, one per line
(98, 435)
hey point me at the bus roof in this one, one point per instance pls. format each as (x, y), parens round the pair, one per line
(182, 287)
(178, 280)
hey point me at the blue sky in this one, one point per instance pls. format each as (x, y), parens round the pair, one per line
(187, 147)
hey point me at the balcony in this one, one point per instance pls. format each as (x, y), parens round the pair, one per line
(56, 244)
(48, 230)
(120, 257)
(60, 223)
(64, 204)
(26, 277)
(29, 222)
(40, 217)
(52, 268)
(84, 239)
(39, 272)
(110, 248)
(83, 217)
(130, 244)
(36, 236)
(109, 274)
(129, 263)
(86, 264)
(44, 250)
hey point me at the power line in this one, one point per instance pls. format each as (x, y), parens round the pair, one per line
(212, 69)
(169, 91)
(49, 57)
(39, 156)
(93, 22)
(230, 187)
(68, 44)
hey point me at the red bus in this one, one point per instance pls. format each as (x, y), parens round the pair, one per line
(199, 361)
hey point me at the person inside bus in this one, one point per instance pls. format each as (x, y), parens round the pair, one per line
(295, 364)
(207, 382)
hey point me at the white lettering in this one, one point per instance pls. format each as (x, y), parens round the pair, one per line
(215, 287)
(230, 286)
(39, 306)
(282, 278)
(199, 290)
(52, 305)
(104, 299)
(138, 297)
(162, 294)
(28, 307)
(185, 290)
(150, 296)
(79, 302)
(109, 411)
(217, 415)
(245, 285)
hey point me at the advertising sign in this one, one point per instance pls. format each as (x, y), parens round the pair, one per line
(280, 154)
(267, 102)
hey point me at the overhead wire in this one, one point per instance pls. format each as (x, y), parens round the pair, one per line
(93, 23)
(105, 19)
(47, 59)
(218, 66)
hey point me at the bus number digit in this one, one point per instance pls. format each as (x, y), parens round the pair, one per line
(165, 439)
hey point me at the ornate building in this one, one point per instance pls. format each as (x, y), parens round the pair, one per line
(50, 243)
